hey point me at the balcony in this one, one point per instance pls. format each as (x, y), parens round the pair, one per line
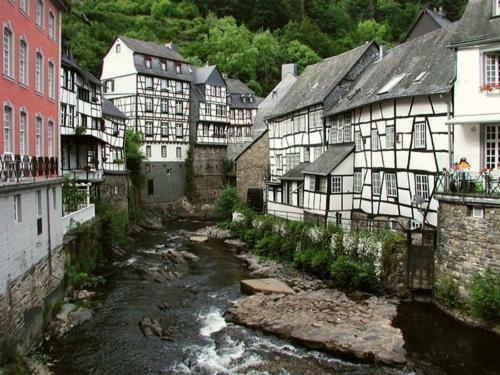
(85, 174)
(24, 168)
(469, 186)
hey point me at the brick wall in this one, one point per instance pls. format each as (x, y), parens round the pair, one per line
(467, 244)
(114, 190)
(252, 167)
(208, 164)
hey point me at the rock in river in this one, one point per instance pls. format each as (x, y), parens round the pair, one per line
(265, 286)
(327, 320)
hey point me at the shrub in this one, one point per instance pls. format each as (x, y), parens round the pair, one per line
(12, 360)
(346, 272)
(72, 196)
(80, 280)
(484, 295)
(225, 203)
(250, 237)
(269, 246)
(114, 227)
(446, 291)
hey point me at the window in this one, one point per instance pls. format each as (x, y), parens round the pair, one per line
(178, 68)
(477, 212)
(8, 130)
(118, 48)
(39, 73)
(317, 152)
(168, 171)
(25, 6)
(151, 187)
(23, 62)
(341, 129)
(18, 217)
(83, 94)
(178, 87)
(52, 25)
(391, 84)
(148, 151)
(164, 129)
(321, 185)
(358, 182)
(149, 83)
(376, 183)
(178, 108)
(8, 61)
(83, 121)
(38, 136)
(315, 120)
(218, 110)
(40, 13)
(163, 151)
(147, 62)
(389, 137)
(279, 162)
(109, 85)
(374, 140)
(71, 118)
(419, 135)
(149, 104)
(164, 106)
(492, 146)
(149, 128)
(51, 139)
(163, 65)
(23, 133)
(392, 188)
(178, 152)
(312, 183)
(68, 80)
(496, 9)
(52, 88)
(292, 160)
(178, 130)
(164, 85)
(205, 130)
(38, 203)
(358, 141)
(422, 186)
(336, 184)
(492, 68)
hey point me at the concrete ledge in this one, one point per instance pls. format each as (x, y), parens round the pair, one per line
(266, 286)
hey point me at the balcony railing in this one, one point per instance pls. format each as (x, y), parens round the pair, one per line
(16, 168)
(481, 184)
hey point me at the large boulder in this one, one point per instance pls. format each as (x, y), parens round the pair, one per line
(267, 286)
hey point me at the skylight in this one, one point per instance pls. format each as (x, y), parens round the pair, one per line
(314, 87)
(420, 77)
(391, 84)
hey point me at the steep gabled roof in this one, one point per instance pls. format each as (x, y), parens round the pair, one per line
(330, 159)
(439, 20)
(424, 65)
(152, 49)
(250, 144)
(235, 86)
(69, 61)
(318, 80)
(109, 109)
(477, 24)
(295, 174)
(202, 74)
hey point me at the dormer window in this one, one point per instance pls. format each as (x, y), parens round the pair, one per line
(178, 67)
(118, 48)
(163, 65)
(275, 94)
(147, 62)
(391, 84)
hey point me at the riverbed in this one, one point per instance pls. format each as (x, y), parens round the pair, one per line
(203, 343)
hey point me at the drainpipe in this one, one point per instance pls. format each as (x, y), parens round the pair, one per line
(49, 238)
(450, 133)
(328, 189)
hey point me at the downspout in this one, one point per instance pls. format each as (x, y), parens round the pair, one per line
(449, 115)
(49, 238)
(328, 189)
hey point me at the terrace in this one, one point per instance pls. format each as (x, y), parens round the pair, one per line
(24, 168)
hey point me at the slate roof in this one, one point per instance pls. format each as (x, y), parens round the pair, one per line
(330, 159)
(202, 74)
(70, 62)
(235, 86)
(427, 53)
(476, 24)
(439, 19)
(109, 109)
(266, 107)
(295, 174)
(152, 49)
(318, 80)
(155, 70)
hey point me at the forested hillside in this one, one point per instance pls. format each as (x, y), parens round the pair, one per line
(249, 39)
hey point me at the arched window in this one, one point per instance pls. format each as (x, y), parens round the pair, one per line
(8, 131)
(8, 51)
(23, 62)
(39, 73)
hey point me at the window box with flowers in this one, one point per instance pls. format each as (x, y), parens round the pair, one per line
(490, 88)
(491, 78)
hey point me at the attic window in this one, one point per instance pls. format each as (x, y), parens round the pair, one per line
(147, 62)
(391, 84)
(118, 47)
(275, 94)
(421, 76)
(163, 65)
(178, 67)
(314, 87)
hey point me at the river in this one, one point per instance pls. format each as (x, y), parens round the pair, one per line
(203, 343)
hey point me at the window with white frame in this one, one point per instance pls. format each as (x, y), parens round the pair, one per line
(164, 106)
(23, 133)
(492, 146)
(118, 48)
(163, 151)
(358, 182)
(149, 83)
(51, 139)
(23, 62)
(40, 13)
(336, 184)
(163, 65)
(312, 183)
(178, 130)
(24, 4)
(178, 152)
(279, 162)
(315, 120)
(178, 87)
(18, 215)
(149, 128)
(341, 129)
(492, 68)
(8, 52)
(164, 129)
(8, 131)
(178, 67)
(148, 151)
(422, 186)
(389, 137)
(39, 73)
(358, 141)
(178, 108)
(51, 80)
(419, 135)
(147, 62)
(164, 85)
(38, 136)
(376, 183)
(375, 140)
(391, 184)
(317, 153)
(149, 104)
(52, 25)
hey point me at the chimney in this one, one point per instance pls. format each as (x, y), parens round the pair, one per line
(293, 69)
(441, 12)
(174, 47)
(225, 76)
(382, 51)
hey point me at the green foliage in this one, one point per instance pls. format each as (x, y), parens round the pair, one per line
(12, 361)
(72, 196)
(114, 226)
(228, 172)
(346, 272)
(80, 280)
(446, 291)
(226, 202)
(313, 260)
(484, 295)
(269, 246)
(40, 357)
(134, 158)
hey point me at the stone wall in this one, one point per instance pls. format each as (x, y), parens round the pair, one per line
(467, 244)
(252, 167)
(114, 190)
(167, 179)
(208, 167)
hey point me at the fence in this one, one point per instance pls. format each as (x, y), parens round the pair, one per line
(15, 168)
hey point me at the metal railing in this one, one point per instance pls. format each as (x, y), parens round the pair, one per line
(16, 168)
(470, 183)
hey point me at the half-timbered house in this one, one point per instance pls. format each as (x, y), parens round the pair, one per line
(296, 128)
(150, 84)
